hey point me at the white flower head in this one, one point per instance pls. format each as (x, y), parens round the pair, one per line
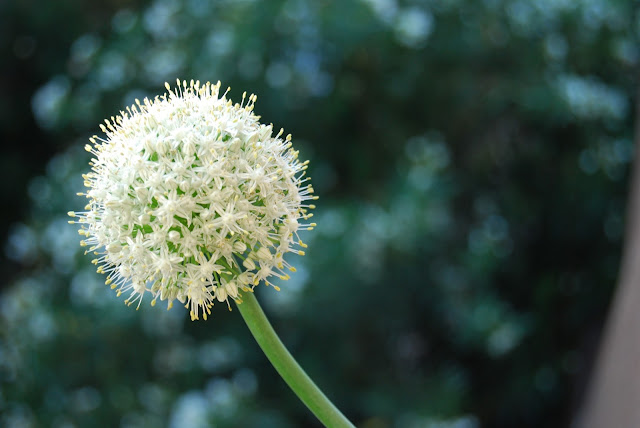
(192, 198)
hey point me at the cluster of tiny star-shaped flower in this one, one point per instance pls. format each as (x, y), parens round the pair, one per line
(191, 198)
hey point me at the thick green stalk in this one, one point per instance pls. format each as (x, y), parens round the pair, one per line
(287, 367)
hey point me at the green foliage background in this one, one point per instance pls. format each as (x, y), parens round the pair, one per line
(471, 158)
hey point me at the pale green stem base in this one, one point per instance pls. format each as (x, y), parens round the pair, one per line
(288, 368)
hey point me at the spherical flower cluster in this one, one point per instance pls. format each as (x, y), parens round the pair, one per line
(192, 199)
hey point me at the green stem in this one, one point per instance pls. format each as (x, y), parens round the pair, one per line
(287, 367)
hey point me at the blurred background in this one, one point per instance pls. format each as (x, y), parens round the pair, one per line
(472, 160)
